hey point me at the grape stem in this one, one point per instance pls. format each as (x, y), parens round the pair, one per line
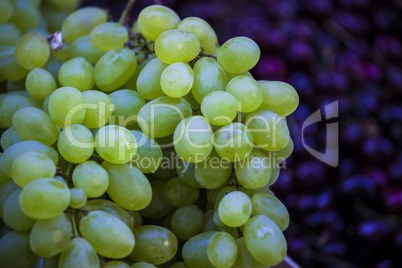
(75, 232)
(126, 10)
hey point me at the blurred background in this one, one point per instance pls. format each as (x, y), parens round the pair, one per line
(330, 50)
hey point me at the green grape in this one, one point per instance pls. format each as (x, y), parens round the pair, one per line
(114, 69)
(64, 5)
(15, 250)
(177, 79)
(42, 262)
(8, 138)
(159, 118)
(98, 109)
(34, 124)
(194, 251)
(203, 31)
(40, 84)
(108, 235)
(156, 19)
(270, 131)
(238, 55)
(178, 194)
(44, 199)
(235, 209)
(67, 106)
(167, 169)
(76, 144)
(270, 206)
(149, 153)
(127, 105)
(110, 207)
(128, 187)
(49, 237)
(77, 73)
(234, 142)
(45, 104)
(143, 265)
(78, 253)
(132, 81)
(13, 215)
(78, 198)
(222, 250)
(254, 171)
(187, 221)
(244, 258)
(282, 154)
(213, 172)
(91, 178)
(31, 166)
(193, 139)
(6, 189)
(209, 224)
(220, 193)
(9, 32)
(158, 207)
(208, 77)
(115, 144)
(148, 82)
(81, 22)
(26, 15)
(176, 46)
(10, 104)
(6, 10)
(247, 92)
(115, 264)
(82, 47)
(10, 69)
(230, 76)
(63, 53)
(32, 51)
(264, 240)
(219, 107)
(15, 150)
(154, 244)
(279, 97)
(185, 172)
(108, 35)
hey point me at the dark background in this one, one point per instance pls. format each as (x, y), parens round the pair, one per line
(345, 50)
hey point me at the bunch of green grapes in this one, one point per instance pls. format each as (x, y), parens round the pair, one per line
(136, 147)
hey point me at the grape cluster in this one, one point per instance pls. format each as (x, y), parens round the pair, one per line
(136, 144)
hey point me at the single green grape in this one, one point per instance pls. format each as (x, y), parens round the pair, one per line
(159, 118)
(81, 22)
(82, 47)
(128, 187)
(115, 144)
(114, 69)
(279, 97)
(34, 124)
(178, 194)
(235, 209)
(15, 250)
(67, 106)
(26, 15)
(222, 250)
(176, 46)
(8, 138)
(270, 131)
(270, 206)
(194, 251)
(6, 10)
(9, 32)
(219, 107)
(10, 104)
(148, 81)
(115, 264)
(91, 178)
(203, 31)
(98, 109)
(244, 258)
(213, 172)
(108, 235)
(127, 106)
(238, 55)
(154, 244)
(208, 77)
(31, 166)
(108, 35)
(186, 173)
(264, 240)
(78, 253)
(76, 143)
(49, 237)
(149, 154)
(254, 171)
(187, 221)
(158, 207)
(177, 79)
(247, 92)
(32, 51)
(77, 73)
(13, 215)
(156, 19)
(44, 199)
(78, 198)
(40, 83)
